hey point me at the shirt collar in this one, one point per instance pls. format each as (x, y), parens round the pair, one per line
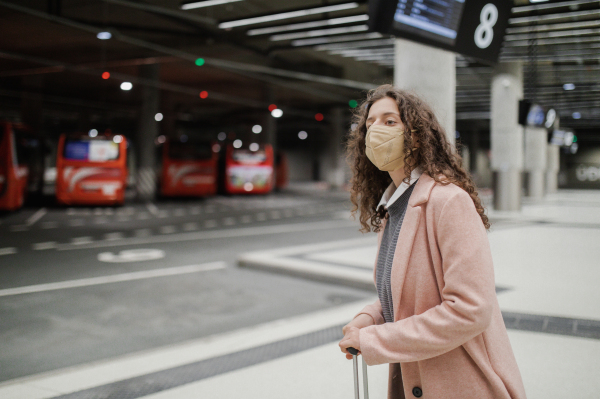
(392, 193)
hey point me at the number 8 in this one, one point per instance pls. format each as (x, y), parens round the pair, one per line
(484, 34)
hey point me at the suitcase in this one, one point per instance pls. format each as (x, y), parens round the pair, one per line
(354, 354)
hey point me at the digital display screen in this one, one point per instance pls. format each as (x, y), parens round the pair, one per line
(434, 19)
(93, 151)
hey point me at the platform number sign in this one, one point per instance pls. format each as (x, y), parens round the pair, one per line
(484, 34)
(474, 28)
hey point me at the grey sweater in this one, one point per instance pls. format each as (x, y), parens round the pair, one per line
(387, 248)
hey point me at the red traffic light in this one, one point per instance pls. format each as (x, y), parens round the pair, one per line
(319, 117)
(203, 94)
(105, 75)
(272, 107)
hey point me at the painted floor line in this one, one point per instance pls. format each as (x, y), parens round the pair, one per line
(207, 235)
(8, 251)
(115, 278)
(36, 216)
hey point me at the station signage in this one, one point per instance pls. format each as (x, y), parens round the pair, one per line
(473, 28)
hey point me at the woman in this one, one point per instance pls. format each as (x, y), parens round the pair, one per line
(437, 321)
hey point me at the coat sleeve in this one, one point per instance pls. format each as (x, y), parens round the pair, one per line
(374, 310)
(468, 294)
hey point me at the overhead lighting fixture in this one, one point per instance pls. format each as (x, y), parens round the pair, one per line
(360, 44)
(538, 1)
(126, 86)
(104, 35)
(319, 32)
(206, 3)
(576, 115)
(286, 15)
(307, 25)
(569, 86)
(336, 39)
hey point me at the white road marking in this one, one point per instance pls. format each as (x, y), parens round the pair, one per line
(115, 278)
(218, 234)
(131, 255)
(195, 210)
(76, 222)
(143, 232)
(81, 240)
(275, 214)
(190, 226)
(246, 219)
(168, 229)
(261, 217)
(123, 218)
(100, 220)
(35, 217)
(8, 251)
(117, 235)
(153, 209)
(229, 221)
(71, 211)
(44, 245)
(19, 227)
(179, 212)
(210, 224)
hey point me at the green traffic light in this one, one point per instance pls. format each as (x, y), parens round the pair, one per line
(200, 61)
(574, 139)
(353, 103)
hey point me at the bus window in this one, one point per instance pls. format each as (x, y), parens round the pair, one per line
(91, 171)
(189, 169)
(248, 171)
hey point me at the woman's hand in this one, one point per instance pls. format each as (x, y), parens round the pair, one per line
(351, 340)
(361, 321)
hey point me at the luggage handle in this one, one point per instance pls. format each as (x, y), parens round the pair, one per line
(354, 354)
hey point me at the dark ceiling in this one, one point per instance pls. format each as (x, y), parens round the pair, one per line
(50, 48)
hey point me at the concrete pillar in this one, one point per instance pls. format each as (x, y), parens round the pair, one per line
(431, 74)
(333, 165)
(536, 149)
(147, 132)
(507, 135)
(270, 123)
(552, 168)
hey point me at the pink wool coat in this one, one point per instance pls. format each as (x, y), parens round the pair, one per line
(448, 339)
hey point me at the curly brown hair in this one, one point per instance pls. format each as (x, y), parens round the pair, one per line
(434, 155)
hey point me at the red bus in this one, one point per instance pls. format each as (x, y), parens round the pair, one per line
(189, 169)
(13, 173)
(249, 170)
(91, 170)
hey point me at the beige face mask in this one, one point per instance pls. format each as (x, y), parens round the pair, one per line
(385, 147)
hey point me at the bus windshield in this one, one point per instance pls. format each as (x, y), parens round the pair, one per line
(190, 151)
(249, 157)
(91, 150)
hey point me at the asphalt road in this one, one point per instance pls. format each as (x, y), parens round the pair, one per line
(80, 284)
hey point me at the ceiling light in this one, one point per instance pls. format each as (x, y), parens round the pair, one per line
(569, 86)
(254, 147)
(104, 35)
(576, 115)
(319, 32)
(307, 25)
(206, 3)
(336, 39)
(302, 135)
(237, 143)
(360, 44)
(537, 1)
(277, 113)
(126, 86)
(286, 15)
(256, 129)
(93, 133)
(158, 117)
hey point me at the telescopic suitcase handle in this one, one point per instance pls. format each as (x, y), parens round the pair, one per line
(354, 354)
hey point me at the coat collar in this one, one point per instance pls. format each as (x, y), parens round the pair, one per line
(422, 190)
